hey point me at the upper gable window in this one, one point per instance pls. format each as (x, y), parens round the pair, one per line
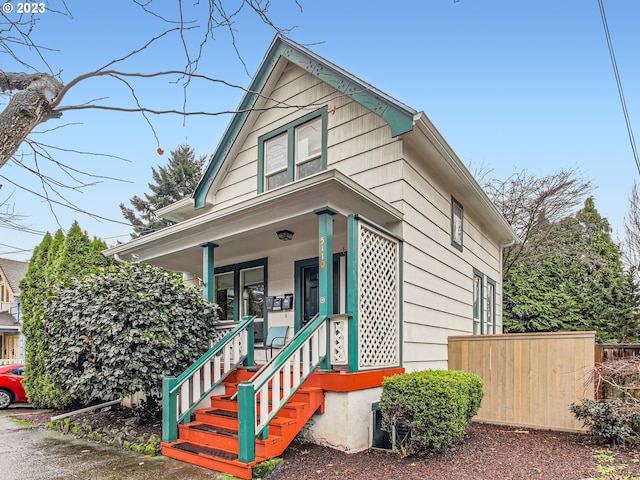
(456, 224)
(293, 151)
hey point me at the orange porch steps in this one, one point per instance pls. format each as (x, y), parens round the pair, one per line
(211, 441)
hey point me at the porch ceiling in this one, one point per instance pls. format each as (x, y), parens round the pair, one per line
(250, 226)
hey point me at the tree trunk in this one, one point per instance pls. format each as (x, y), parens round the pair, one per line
(30, 106)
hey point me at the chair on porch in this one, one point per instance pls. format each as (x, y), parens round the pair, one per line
(276, 338)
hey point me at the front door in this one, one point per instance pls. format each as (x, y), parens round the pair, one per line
(311, 294)
(309, 291)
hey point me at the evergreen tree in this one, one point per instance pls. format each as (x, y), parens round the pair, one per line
(174, 182)
(54, 262)
(574, 280)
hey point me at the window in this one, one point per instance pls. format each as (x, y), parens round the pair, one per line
(225, 295)
(252, 281)
(478, 284)
(456, 224)
(240, 289)
(484, 304)
(292, 152)
(491, 306)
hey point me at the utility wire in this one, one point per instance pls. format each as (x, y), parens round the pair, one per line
(619, 83)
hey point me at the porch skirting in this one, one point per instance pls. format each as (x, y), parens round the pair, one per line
(347, 421)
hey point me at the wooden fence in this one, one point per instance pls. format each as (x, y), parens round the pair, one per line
(616, 351)
(530, 380)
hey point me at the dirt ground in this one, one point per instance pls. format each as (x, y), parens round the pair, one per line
(487, 452)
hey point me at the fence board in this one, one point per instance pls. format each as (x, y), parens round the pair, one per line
(530, 380)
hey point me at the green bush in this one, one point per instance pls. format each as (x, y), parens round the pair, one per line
(614, 421)
(431, 409)
(119, 332)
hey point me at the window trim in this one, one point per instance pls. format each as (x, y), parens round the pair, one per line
(236, 268)
(455, 206)
(491, 322)
(480, 321)
(289, 128)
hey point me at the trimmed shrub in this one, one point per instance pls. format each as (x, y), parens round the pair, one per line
(429, 410)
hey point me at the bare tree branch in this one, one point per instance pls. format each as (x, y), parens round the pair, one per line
(39, 94)
(631, 242)
(530, 204)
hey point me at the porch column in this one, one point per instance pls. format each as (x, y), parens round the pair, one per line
(207, 270)
(325, 270)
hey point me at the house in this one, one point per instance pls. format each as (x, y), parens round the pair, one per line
(11, 339)
(337, 211)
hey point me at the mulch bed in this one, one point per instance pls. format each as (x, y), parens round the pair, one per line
(488, 452)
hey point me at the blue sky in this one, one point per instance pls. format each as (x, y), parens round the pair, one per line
(510, 84)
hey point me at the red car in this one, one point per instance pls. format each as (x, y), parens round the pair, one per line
(11, 389)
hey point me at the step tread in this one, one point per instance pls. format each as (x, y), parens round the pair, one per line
(221, 412)
(212, 429)
(202, 449)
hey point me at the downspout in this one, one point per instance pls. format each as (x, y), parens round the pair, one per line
(503, 245)
(118, 259)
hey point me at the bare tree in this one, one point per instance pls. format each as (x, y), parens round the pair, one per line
(38, 93)
(531, 204)
(631, 241)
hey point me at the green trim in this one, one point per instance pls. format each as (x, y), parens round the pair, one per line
(289, 129)
(398, 116)
(208, 270)
(401, 300)
(236, 268)
(169, 410)
(325, 269)
(492, 282)
(273, 368)
(171, 385)
(456, 204)
(352, 283)
(246, 423)
(352, 290)
(299, 266)
(480, 275)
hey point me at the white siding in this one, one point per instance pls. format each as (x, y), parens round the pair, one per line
(437, 282)
(437, 276)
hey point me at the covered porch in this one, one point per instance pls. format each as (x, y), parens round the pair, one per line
(318, 246)
(322, 257)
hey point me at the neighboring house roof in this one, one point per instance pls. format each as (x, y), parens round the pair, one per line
(14, 271)
(8, 323)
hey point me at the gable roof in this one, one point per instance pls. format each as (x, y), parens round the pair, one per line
(398, 116)
(14, 271)
(403, 121)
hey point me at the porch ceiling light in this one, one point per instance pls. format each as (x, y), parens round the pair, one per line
(284, 235)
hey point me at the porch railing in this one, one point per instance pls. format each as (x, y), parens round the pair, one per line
(11, 361)
(262, 397)
(181, 395)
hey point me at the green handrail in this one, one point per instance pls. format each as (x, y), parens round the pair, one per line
(171, 385)
(248, 428)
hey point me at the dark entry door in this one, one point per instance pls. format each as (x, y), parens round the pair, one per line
(311, 290)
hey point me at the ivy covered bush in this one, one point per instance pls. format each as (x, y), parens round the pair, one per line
(115, 333)
(429, 410)
(54, 262)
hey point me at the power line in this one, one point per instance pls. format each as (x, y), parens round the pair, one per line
(619, 83)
